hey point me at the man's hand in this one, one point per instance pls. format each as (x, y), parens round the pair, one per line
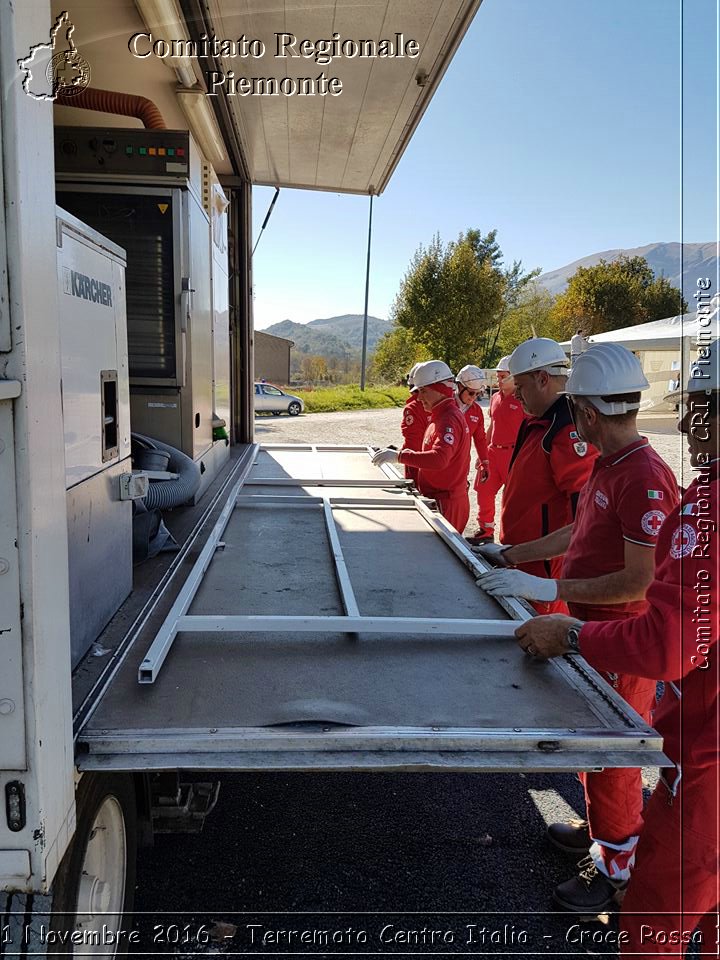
(388, 455)
(545, 637)
(515, 583)
(492, 552)
(482, 468)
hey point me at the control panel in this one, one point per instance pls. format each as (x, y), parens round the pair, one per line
(120, 150)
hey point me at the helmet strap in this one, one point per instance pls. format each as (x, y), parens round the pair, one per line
(611, 409)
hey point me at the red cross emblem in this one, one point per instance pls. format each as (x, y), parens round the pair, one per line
(652, 521)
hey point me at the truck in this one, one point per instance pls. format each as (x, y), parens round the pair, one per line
(126, 388)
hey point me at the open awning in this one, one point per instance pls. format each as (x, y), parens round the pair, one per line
(349, 143)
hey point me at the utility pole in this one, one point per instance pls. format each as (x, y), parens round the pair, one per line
(367, 293)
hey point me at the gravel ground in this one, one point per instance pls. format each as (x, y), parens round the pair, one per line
(340, 851)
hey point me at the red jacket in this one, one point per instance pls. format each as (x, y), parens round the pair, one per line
(476, 425)
(627, 498)
(444, 459)
(506, 417)
(415, 419)
(549, 468)
(676, 639)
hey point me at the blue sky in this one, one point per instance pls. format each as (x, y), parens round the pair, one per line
(558, 123)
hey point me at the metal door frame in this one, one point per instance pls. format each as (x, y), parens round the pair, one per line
(178, 620)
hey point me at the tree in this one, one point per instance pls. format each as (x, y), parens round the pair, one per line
(618, 294)
(314, 368)
(453, 298)
(532, 316)
(395, 353)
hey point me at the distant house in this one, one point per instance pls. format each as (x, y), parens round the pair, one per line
(665, 347)
(272, 358)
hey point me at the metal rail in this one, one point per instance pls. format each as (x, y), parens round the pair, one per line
(325, 482)
(341, 571)
(160, 647)
(353, 623)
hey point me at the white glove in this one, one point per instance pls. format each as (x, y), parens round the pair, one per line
(515, 583)
(388, 455)
(493, 552)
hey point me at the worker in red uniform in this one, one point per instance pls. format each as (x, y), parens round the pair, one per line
(506, 416)
(550, 463)
(414, 423)
(444, 458)
(609, 561)
(674, 886)
(471, 384)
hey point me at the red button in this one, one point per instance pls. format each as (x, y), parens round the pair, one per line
(180, 151)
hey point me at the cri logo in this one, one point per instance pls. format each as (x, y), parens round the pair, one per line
(48, 72)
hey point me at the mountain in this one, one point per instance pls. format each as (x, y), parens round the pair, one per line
(349, 327)
(698, 260)
(333, 336)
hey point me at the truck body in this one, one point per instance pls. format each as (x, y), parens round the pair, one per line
(289, 631)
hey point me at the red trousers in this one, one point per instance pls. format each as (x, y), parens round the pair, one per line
(614, 798)
(411, 473)
(455, 509)
(674, 886)
(486, 492)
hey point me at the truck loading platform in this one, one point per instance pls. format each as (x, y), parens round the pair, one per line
(320, 535)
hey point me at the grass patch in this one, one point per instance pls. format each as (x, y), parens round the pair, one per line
(331, 399)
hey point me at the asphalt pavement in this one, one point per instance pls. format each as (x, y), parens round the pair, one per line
(376, 864)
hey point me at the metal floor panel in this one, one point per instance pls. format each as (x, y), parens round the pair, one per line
(342, 701)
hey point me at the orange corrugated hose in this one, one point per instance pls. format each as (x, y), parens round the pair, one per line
(111, 101)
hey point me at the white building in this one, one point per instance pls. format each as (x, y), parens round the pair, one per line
(665, 347)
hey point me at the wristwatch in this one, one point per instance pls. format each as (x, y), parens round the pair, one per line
(573, 637)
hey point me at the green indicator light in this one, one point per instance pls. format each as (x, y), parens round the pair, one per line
(171, 151)
(142, 151)
(128, 150)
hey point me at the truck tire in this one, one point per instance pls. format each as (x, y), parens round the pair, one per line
(94, 887)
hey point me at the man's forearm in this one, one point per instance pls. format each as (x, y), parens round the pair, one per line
(553, 545)
(618, 587)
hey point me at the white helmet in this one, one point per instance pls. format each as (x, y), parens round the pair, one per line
(606, 369)
(503, 365)
(430, 372)
(471, 377)
(703, 375)
(539, 353)
(411, 377)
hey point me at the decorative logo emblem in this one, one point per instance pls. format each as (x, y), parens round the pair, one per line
(50, 72)
(683, 541)
(601, 500)
(449, 438)
(652, 521)
(409, 419)
(580, 448)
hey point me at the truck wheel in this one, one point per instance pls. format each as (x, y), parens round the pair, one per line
(294, 409)
(94, 887)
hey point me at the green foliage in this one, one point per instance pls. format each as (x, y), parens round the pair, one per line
(612, 295)
(453, 299)
(395, 354)
(531, 316)
(330, 399)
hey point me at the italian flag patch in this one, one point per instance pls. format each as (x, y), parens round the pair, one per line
(655, 495)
